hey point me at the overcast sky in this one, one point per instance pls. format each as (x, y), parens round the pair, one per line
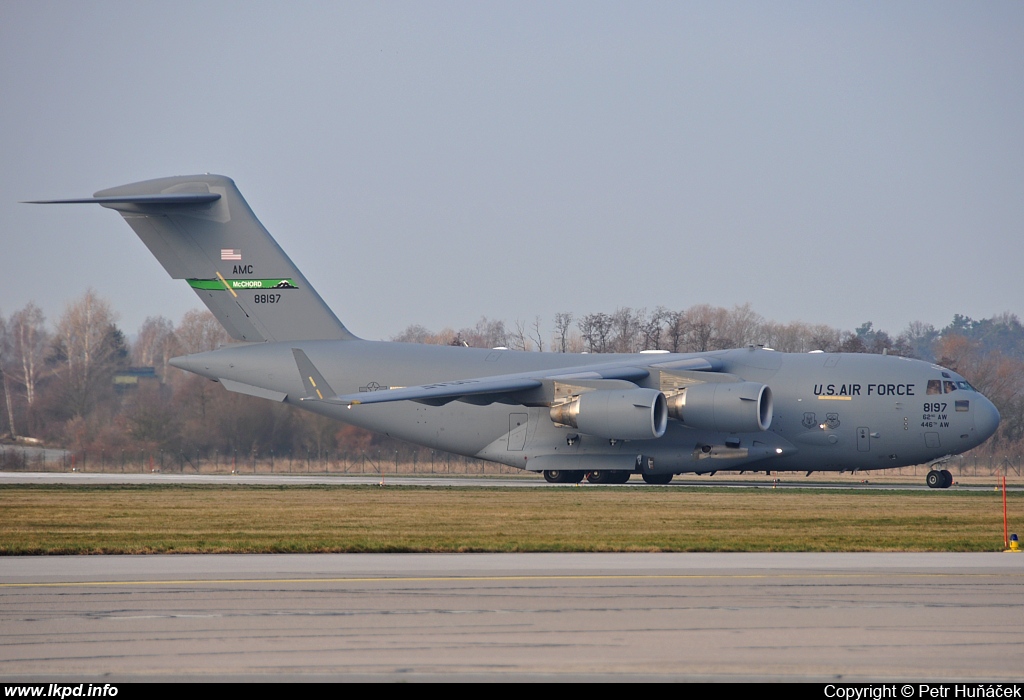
(433, 162)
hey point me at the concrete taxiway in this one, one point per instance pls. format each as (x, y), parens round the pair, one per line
(514, 617)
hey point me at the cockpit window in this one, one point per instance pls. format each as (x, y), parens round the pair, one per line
(946, 375)
(949, 386)
(964, 385)
(934, 386)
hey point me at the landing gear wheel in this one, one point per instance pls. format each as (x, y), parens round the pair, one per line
(936, 480)
(657, 479)
(608, 477)
(563, 476)
(947, 479)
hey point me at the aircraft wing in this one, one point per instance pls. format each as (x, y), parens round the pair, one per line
(493, 388)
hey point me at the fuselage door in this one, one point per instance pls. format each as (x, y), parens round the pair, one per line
(517, 423)
(863, 439)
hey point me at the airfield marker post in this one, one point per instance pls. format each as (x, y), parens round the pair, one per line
(1006, 528)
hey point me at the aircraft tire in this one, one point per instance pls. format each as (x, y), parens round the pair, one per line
(947, 479)
(606, 476)
(563, 476)
(935, 480)
(657, 479)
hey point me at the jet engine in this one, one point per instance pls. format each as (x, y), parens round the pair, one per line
(626, 414)
(729, 407)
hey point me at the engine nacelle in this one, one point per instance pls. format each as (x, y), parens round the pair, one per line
(728, 407)
(616, 414)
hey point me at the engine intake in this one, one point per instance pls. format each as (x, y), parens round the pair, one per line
(626, 414)
(730, 407)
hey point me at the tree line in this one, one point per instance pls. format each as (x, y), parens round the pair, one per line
(62, 383)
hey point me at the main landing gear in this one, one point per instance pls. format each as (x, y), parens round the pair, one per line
(607, 476)
(604, 476)
(563, 476)
(939, 479)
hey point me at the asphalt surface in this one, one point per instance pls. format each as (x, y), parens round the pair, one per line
(571, 617)
(788, 480)
(519, 617)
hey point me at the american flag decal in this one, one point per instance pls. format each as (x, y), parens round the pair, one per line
(230, 253)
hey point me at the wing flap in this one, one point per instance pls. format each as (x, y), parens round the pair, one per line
(440, 391)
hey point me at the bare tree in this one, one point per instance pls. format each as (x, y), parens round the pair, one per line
(518, 339)
(414, 333)
(155, 344)
(199, 331)
(595, 329)
(743, 326)
(563, 321)
(652, 327)
(536, 335)
(676, 329)
(488, 334)
(28, 340)
(89, 347)
(705, 326)
(825, 338)
(625, 329)
(4, 352)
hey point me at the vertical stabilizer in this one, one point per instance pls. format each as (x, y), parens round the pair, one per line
(202, 230)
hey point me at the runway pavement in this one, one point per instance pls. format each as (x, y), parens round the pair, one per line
(854, 617)
(789, 480)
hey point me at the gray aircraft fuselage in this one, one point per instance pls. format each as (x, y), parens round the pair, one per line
(832, 412)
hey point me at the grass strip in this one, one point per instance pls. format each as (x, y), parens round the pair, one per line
(262, 519)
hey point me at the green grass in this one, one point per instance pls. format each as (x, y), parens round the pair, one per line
(173, 518)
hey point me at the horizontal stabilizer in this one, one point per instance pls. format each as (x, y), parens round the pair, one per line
(200, 228)
(183, 198)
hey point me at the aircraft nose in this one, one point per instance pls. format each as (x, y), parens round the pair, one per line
(986, 419)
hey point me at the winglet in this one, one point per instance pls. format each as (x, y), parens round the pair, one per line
(317, 388)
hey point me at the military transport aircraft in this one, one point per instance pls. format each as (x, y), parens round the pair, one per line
(603, 417)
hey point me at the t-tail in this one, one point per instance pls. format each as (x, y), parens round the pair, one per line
(202, 230)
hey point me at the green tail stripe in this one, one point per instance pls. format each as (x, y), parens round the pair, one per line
(277, 283)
